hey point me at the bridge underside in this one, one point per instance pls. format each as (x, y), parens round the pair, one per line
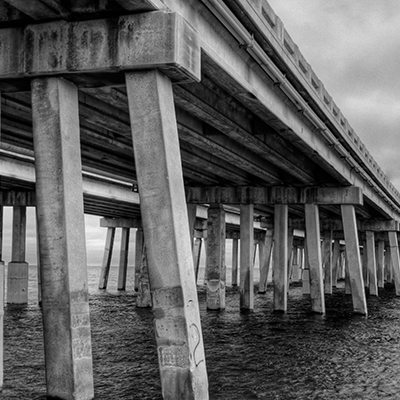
(143, 110)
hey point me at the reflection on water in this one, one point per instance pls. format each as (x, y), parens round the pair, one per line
(259, 355)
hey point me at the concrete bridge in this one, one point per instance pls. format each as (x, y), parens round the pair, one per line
(158, 112)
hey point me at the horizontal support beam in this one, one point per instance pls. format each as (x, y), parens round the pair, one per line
(10, 198)
(274, 195)
(148, 40)
(337, 225)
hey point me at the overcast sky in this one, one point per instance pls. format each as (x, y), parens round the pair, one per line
(354, 48)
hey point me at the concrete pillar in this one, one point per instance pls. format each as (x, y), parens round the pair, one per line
(371, 263)
(138, 255)
(364, 260)
(388, 265)
(246, 257)
(266, 246)
(123, 258)
(143, 299)
(295, 265)
(216, 269)
(105, 267)
(18, 269)
(165, 224)
(38, 273)
(280, 257)
(347, 283)
(354, 259)
(305, 280)
(59, 197)
(314, 258)
(1, 301)
(197, 256)
(290, 254)
(335, 262)
(235, 261)
(380, 262)
(395, 260)
(327, 261)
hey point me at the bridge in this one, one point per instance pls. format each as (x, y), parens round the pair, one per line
(167, 113)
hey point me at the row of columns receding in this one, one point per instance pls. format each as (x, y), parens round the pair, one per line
(166, 259)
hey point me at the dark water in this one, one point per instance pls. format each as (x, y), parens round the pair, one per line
(260, 355)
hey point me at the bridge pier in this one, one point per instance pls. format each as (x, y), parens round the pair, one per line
(235, 261)
(353, 259)
(1, 300)
(280, 257)
(166, 229)
(380, 262)
(266, 247)
(61, 228)
(215, 265)
(327, 260)
(107, 257)
(18, 268)
(371, 263)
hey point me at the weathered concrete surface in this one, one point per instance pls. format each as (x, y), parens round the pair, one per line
(165, 225)
(246, 257)
(314, 258)
(280, 257)
(158, 39)
(107, 256)
(65, 304)
(215, 263)
(353, 259)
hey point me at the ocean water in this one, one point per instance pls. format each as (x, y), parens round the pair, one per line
(257, 355)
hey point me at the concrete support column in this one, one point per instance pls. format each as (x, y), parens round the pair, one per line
(395, 259)
(380, 262)
(105, 267)
(246, 257)
(1, 301)
(166, 229)
(295, 265)
(371, 263)
(388, 265)
(280, 257)
(18, 269)
(335, 262)
(216, 269)
(327, 261)
(266, 246)
(59, 197)
(196, 256)
(314, 258)
(354, 259)
(305, 281)
(347, 283)
(138, 255)
(123, 258)
(364, 260)
(290, 254)
(235, 261)
(143, 299)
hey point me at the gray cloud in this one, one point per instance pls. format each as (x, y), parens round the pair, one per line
(354, 48)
